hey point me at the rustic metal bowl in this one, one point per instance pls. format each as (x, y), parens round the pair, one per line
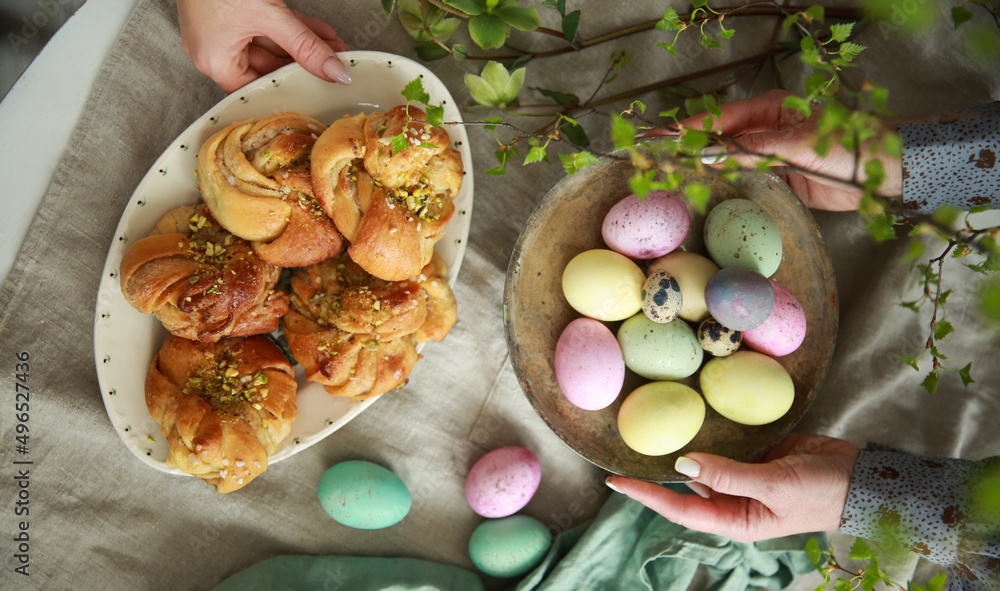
(568, 222)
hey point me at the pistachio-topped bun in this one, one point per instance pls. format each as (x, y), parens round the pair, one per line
(391, 205)
(224, 407)
(255, 177)
(202, 282)
(357, 334)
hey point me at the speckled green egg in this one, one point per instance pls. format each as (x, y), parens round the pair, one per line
(668, 351)
(363, 495)
(739, 233)
(509, 547)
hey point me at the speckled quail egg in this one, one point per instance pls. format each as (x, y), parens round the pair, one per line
(717, 339)
(661, 297)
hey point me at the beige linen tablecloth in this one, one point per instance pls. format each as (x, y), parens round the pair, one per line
(100, 519)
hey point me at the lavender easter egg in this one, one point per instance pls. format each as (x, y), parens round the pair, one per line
(590, 368)
(503, 481)
(646, 228)
(784, 330)
(740, 299)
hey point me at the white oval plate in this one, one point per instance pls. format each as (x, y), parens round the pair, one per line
(125, 340)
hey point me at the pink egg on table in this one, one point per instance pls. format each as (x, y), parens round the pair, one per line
(589, 364)
(646, 228)
(503, 481)
(784, 330)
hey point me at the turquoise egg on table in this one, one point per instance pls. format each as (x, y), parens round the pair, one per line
(509, 547)
(668, 351)
(364, 495)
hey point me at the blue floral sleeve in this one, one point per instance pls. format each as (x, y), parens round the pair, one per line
(943, 509)
(952, 160)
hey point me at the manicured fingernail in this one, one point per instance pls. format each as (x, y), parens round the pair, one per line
(713, 155)
(336, 70)
(608, 482)
(687, 467)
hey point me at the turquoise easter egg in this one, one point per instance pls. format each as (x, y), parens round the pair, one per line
(363, 495)
(509, 547)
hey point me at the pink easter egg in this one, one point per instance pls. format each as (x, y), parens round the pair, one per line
(503, 481)
(784, 330)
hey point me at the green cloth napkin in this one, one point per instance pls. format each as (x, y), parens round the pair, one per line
(627, 546)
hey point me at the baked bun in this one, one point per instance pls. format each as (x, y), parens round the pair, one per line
(391, 206)
(202, 282)
(357, 334)
(254, 175)
(223, 407)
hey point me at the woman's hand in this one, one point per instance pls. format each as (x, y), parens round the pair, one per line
(799, 486)
(762, 125)
(235, 42)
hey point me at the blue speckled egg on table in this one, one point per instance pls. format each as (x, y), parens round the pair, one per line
(510, 546)
(363, 495)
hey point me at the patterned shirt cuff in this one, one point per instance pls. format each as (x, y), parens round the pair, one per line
(914, 501)
(952, 160)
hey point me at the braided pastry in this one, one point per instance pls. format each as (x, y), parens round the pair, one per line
(391, 206)
(357, 334)
(202, 282)
(254, 175)
(223, 407)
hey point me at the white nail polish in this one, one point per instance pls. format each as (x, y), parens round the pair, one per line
(336, 70)
(714, 155)
(607, 481)
(687, 467)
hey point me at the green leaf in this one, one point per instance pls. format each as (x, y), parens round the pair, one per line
(841, 31)
(492, 120)
(672, 113)
(943, 298)
(815, 13)
(503, 156)
(429, 52)
(872, 575)
(562, 98)
(698, 194)
(559, 6)
(388, 4)
(915, 252)
(574, 162)
(525, 19)
(947, 215)
(488, 31)
(727, 33)
(514, 85)
(399, 143)
(670, 21)
(911, 305)
(841, 585)
(669, 47)
(942, 328)
(880, 96)
(815, 83)
(622, 132)
(414, 91)
(814, 552)
(848, 51)
(979, 209)
(460, 52)
(470, 7)
(535, 154)
(575, 133)
(709, 42)
(964, 374)
(791, 20)
(435, 114)
(959, 15)
(860, 550)
(937, 583)
(481, 91)
(641, 183)
(881, 227)
(800, 104)
(930, 382)
(570, 24)
(909, 361)
(938, 354)
(694, 141)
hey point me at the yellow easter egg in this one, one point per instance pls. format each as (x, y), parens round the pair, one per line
(603, 284)
(747, 387)
(659, 418)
